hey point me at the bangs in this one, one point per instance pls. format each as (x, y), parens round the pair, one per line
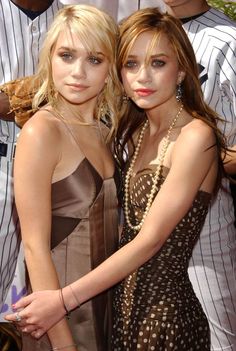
(94, 41)
(151, 48)
(91, 42)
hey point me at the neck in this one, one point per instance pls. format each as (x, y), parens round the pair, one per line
(39, 5)
(165, 117)
(75, 113)
(188, 9)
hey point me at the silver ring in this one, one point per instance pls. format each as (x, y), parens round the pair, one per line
(18, 317)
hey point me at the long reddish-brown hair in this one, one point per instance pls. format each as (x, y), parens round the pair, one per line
(152, 20)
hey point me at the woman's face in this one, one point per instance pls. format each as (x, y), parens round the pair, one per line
(78, 75)
(150, 77)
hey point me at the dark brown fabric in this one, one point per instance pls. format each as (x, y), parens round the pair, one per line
(155, 306)
(10, 339)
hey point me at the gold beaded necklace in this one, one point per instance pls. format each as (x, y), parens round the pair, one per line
(156, 175)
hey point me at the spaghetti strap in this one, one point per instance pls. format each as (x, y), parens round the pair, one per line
(61, 118)
(58, 116)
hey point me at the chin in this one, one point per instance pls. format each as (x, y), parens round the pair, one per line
(144, 105)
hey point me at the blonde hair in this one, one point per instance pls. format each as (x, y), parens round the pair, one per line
(94, 28)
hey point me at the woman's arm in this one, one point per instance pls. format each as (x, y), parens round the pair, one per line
(230, 161)
(37, 154)
(193, 166)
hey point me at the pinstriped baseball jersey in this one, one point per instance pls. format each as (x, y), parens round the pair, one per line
(20, 41)
(119, 9)
(212, 268)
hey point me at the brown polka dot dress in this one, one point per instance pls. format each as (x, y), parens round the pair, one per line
(155, 308)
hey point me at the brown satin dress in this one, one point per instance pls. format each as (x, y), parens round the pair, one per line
(84, 233)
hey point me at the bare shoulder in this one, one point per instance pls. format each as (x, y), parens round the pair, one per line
(196, 140)
(40, 139)
(197, 133)
(42, 126)
(195, 152)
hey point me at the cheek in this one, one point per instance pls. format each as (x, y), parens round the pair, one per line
(60, 68)
(169, 77)
(124, 76)
(127, 80)
(98, 78)
(57, 70)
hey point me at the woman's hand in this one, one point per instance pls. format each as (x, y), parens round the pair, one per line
(38, 312)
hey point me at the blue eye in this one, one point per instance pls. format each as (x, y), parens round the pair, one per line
(66, 56)
(94, 60)
(158, 63)
(130, 64)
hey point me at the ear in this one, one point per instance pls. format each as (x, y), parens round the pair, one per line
(181, 76)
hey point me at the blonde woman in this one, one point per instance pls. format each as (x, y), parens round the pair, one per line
(64, 171)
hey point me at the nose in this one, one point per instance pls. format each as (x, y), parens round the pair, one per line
(79, 69)
(144, 74)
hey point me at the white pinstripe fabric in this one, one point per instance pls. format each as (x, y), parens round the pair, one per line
(212, 268)
(118, 8)
(125, 8)
(20, 42)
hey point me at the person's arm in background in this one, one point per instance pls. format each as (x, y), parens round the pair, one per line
(227, 81)
(230, 161)
(16, 99)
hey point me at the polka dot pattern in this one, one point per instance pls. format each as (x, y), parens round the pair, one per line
(155, 307)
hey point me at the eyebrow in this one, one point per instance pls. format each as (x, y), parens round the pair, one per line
(152, 56)
(66, 48)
